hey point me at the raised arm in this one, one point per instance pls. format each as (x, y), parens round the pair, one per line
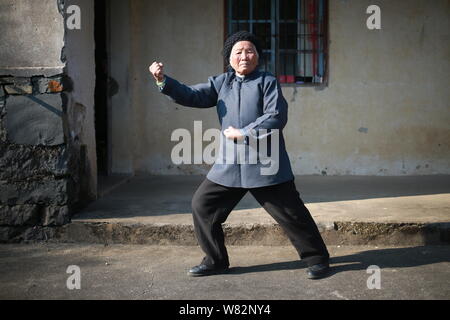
(203, 95)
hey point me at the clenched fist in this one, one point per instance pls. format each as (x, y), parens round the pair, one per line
(156, 69)
(233, 133)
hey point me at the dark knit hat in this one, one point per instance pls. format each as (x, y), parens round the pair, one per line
(240, 36)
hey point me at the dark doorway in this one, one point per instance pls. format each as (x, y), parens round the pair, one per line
(101, 86)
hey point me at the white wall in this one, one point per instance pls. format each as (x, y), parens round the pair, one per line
(122, 139)
(80, 67)
(385, 111)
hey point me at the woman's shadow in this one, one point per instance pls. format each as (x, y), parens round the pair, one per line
(383, 258)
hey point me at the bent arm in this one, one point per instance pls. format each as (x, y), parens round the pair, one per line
(275, 111)
(203, 95)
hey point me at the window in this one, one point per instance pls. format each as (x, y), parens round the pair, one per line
(293, 34)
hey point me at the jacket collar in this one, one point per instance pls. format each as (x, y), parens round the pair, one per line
(253, 75)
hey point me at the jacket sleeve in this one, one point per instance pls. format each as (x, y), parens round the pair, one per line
(203, 95)
(275, 110)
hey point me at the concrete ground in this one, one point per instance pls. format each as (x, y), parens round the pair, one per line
(39, 271)
(167, 199)
(348, 210)
(137, 242)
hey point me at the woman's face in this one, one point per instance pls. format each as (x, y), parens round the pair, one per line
(244, 58)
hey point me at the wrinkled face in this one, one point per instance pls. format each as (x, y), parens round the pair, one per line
(244, 58)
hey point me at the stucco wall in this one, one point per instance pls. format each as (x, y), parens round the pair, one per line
(80, 67)
(122, 124)
(22, 22)
(142, 119)
(385, 111)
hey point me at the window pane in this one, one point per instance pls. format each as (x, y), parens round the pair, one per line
(288, 36)
(266, 63)
(288, 9)
(240, 9)
(261, 9)
(287, 66)
(235, 27)
(306, 65)
(320, 71)
(262, 31)
(294, 41)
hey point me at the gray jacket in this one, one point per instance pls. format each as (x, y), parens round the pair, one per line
(254, 104)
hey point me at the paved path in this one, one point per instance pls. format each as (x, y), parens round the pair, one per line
(38, 271)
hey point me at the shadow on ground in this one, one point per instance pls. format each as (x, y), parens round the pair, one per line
(383, 258)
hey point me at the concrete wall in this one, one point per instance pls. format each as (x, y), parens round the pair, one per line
(79, 53)
(47, 135)
(22, 22)
(121, 106)
(171, 33)
(385, 110)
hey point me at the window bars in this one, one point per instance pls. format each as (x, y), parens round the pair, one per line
(293, 34)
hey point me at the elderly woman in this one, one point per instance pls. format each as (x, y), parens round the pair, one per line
(251, 107)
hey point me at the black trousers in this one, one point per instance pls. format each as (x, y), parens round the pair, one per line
(212, 203)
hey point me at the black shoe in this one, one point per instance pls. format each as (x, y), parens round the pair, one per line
(318, 271)
(204, 270)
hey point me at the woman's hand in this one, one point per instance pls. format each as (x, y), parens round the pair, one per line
(156, 69)
(233, 133)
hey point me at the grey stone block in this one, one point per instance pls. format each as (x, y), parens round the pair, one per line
(55, 216)
(2, 134)
(2, 100)
(2, 116)
(45, 192)
(34, 215)
(20, 86)
(35, 120)
(19, 215)
(40, 84)
(48, 85)
(6, 80)
(22, 162)
(6, 234)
